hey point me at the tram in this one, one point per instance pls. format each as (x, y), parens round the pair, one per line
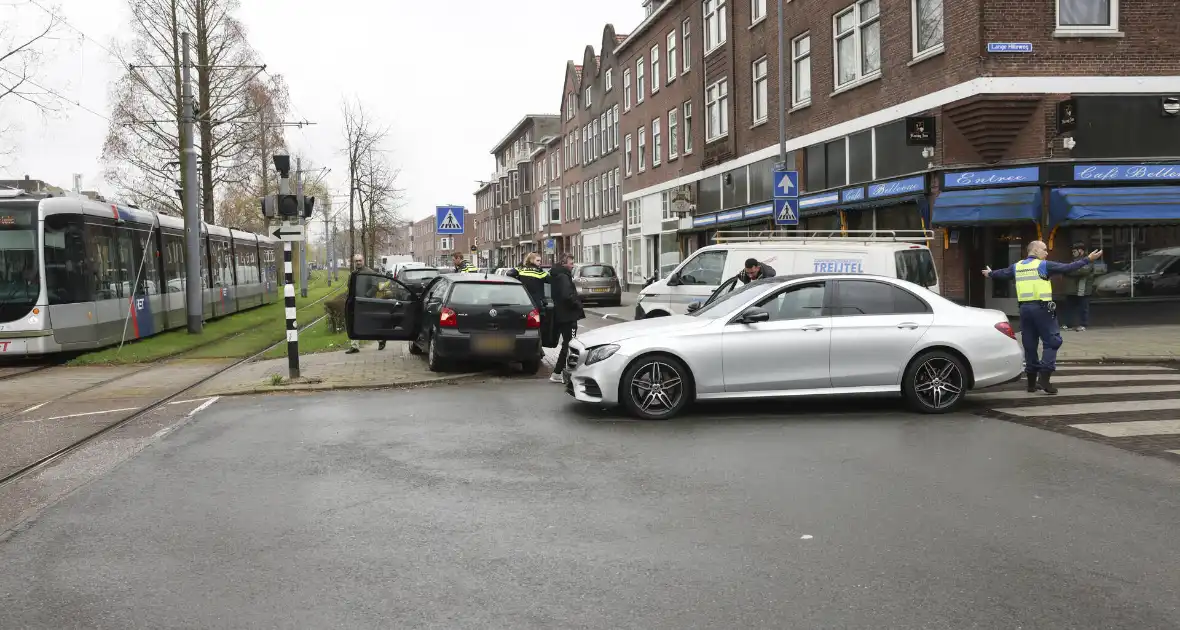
(77, 274)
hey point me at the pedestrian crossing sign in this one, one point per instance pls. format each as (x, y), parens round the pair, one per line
(786, 211)
(449, 219)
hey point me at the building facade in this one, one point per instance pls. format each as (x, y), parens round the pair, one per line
(917, 115)
(513, 213)
(436, 250)
(546, 194)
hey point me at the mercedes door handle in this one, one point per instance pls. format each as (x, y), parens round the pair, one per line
(813, 327)
(907, 325)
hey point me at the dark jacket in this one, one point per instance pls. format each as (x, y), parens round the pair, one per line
(369, 286)
(1080, 281)
(534, 280)
(567, 306)
(766, 272)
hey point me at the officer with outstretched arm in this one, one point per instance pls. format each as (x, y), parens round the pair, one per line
(1038, 313)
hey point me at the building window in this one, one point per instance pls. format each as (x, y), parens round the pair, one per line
(569, 106)
(595, 141)
(686, 35)
(615, 127)
(671, 56)
(715, 11)
(655, 68)
(610, 83)
(618, 189)
(927, 25)
(604, 207)
(857, 42)
(717, 110)
(642, 149)
(760, 108)
(757, 11)
(673, 140)
(640, 67)
(627, 90)
(801, 70)
(687, 127)
(587, 103)
(656, 146)
(627, 154)
(609, 118)
(666, 205)
(447, 243)
(1087, 15)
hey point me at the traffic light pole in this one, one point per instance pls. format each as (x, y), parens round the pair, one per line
(192, 217)
(302, 244)
(289, 297)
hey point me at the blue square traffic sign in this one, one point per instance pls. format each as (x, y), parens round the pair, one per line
(786, 184)
(786, 211)
(449, 219)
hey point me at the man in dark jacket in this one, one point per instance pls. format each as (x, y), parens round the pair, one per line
(755, 271)
(567, 309)
(533, 278)
(1079, 286)
(358, 266)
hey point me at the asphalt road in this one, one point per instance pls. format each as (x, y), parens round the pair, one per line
(489, 506)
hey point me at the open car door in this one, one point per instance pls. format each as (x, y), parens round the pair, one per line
(380, 308)
(549, 336)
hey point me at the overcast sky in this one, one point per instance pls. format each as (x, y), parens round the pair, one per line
(450, 78)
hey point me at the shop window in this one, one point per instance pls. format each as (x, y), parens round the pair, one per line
(817, 178)
(735, 188)
(762, 178)
(858, 220)
(1138, 262)
(822, 223)
(894, 157)
(65, 259)
(900, 217)
(837, 169)
(709, 195)
(860, 157)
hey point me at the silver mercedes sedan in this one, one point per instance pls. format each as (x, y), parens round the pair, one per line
(806, 335)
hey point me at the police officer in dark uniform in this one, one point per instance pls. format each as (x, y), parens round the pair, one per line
(532, 277)
(461, 265)
(1038, 313)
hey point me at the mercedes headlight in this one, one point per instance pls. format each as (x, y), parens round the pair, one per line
(600, 353)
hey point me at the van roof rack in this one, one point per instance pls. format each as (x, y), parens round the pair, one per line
(863, 236)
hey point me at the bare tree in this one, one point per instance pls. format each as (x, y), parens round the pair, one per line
(19, 57)
(362, 138)
(142, 149)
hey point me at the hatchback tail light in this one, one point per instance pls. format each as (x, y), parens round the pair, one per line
(448, 319)
(533, 320)
(1007, 329)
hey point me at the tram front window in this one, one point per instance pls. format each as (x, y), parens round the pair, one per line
(20, 284)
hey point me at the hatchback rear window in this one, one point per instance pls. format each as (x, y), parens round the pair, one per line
(597, 271)
(414, 275)
(489, 294)
(917, 266)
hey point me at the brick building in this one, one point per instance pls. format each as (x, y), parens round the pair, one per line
(432, 249)
(549, 233)
(591, 126)
(1070, 133)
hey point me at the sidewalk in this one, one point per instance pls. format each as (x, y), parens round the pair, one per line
(1123, 343)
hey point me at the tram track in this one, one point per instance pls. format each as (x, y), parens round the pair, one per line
(142, 411)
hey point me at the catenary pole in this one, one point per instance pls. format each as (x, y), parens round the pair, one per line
(192, 217)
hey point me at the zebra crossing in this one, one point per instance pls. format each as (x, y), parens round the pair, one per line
(1135, 407)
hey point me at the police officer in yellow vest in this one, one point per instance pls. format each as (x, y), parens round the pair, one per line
(462, 266)
(533, 278)
(1038, 313)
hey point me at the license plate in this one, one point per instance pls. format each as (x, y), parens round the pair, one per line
(492, 344)
(599, 290)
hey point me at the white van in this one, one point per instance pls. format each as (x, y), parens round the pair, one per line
(901, 254)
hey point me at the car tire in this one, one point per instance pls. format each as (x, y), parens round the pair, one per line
(434, 363)
(415, 349)
(633, 394)
(531, 366)
(935, 382)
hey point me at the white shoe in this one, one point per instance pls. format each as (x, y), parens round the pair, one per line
(555, 378)
(1065, 329)
(1080, 329)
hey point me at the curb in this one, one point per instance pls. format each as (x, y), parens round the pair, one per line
(610, 316)
(1139, 360)
(327, 387)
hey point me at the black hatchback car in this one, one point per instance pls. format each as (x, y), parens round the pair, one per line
(458, 316)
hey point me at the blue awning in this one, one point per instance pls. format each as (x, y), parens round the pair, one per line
(1138, 204)
(989, 205)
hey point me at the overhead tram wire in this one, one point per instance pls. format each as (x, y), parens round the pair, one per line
(57, 94)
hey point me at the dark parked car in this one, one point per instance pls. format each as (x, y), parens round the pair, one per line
(417, 277)
(457, 317)
(598, 283)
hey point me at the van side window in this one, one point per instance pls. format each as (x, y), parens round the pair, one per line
(917, 266)
(705, 269)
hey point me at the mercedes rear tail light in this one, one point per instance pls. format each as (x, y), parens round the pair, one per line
(533, 320)
(1007, 329)
(448, 319)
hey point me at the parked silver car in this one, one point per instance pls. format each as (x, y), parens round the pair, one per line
(598, 283)
(799, 336)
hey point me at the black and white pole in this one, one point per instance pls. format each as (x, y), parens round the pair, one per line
(289, 303)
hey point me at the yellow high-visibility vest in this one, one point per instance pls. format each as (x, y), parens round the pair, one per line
(1030, 286)
(529, 272)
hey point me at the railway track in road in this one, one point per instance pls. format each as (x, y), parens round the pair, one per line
(41, 461)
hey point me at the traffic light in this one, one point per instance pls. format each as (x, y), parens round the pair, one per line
(269, 209)
(288, 206)
(308, 205)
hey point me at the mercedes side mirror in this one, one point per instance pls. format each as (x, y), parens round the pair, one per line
(694, 307)
(753, 315)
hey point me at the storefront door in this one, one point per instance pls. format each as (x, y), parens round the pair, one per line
(1003, 245)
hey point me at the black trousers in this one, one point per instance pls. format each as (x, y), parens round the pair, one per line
(566, 330)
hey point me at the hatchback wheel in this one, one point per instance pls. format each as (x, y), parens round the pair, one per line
(415, 349)
(434, 362)
(655, 387)
(935, 382)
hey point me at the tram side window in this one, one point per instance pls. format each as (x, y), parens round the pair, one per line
(174, 263)
(65, 259)
(151, 262)
(105, 269)
(204, 263)
(227, 257)
(129, 262)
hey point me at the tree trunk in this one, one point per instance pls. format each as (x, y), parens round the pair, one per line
(204, 104)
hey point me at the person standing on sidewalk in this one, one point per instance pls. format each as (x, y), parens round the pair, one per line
(1079, 286)
(567, 309)
(1038, 312)
(358, 266)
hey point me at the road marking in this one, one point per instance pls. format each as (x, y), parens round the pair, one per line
(1113, 368)
(1086, 378)
(190, 400)
(1080, 409)
(1081, 391)
(1173, 452)
(203, 406)
(35, 407)
(88, 413)
(1131, 429)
